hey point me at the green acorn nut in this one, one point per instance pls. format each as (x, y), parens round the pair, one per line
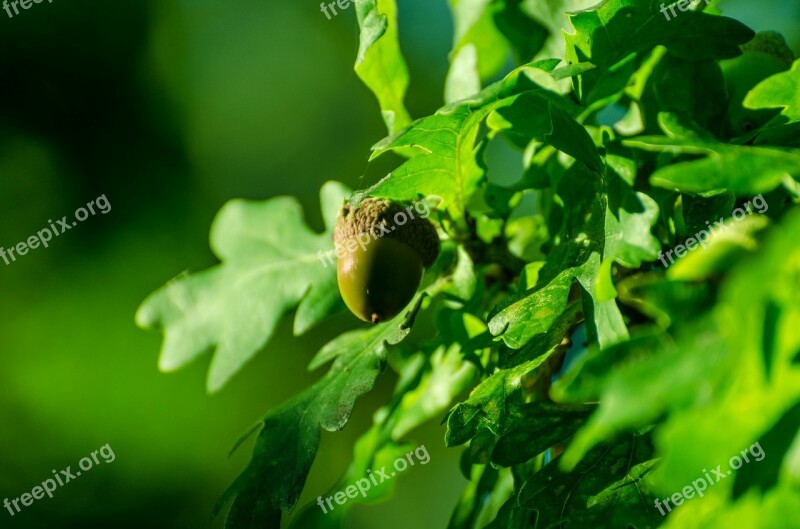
(383, 249)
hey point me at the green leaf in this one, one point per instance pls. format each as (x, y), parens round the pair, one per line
(544, 342)
(456, 278)
(721, 251)
(380, 64)
(524, 33)
(742, 170)
(776, 509)
(630, 216)
(462, 77)
(289, 438)
(715, 368)
(426, 388)
(534, 312)
(745, 395)
(493, 406)
(541, 426)
(779, 91)
(479, 50)
(633, 396)
(665, 301)
(446, 148)
(686, 86)
(270, 264)
(577, 259)
(533, 115)
(607, 34)
(443, 161)
(472, 507)
(588, 380)
(448, 376)
(554, 16)
(776, 442)
(484, 33)
(613, 29)
(497, 411)
(605, 490)
(694, 213)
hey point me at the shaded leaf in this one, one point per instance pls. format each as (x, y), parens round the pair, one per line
(606, 489)
(289, 438)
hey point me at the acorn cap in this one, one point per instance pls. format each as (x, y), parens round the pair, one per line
(376, 216)
(770, 43)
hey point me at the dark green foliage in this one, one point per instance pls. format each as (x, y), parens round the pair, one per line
(625, 156)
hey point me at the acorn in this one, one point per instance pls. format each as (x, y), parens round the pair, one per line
(765, 55)
(384, 248)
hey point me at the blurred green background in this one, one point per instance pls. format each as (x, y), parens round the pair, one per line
(170, 108)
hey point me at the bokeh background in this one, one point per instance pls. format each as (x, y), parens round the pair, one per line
(170, 108)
